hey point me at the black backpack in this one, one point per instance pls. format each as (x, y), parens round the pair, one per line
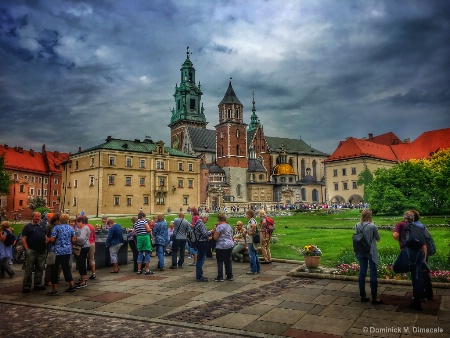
(191, 237)
(414, 236)
(10, 238)
(431, 247)
(360, 244)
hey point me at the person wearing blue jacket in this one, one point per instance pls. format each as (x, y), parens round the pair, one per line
(114, 241)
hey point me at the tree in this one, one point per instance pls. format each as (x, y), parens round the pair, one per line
(415, 184)
(5, 178)
(365, 177)
(36, 202)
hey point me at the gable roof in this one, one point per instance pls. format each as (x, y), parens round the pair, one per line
(146, 146)
(423, 147)
(202, 139)
(292, 146)
(387, 139)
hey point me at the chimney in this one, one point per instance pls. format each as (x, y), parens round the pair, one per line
(108, 139)
(31, 152)
(395, 141)
(20, 150)
(406, 140)
(55, 154)
(370, 136)
(43, 148)
(79, 149)
(136, 140)
(6, 146)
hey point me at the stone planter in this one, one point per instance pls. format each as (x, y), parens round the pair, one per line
(312, 262)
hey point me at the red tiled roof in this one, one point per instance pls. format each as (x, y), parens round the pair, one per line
(20, 159)
(423, 147)
(387, 139)
(55, 159)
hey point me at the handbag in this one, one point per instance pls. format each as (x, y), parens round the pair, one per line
(51, 255)
(401, 264)
(256, 236)
(76, 250)
(174, 235)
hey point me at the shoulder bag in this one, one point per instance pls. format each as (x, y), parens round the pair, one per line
(51, 255)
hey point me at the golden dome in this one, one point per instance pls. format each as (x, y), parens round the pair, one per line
(283, 169)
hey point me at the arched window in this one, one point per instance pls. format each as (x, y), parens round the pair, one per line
(237, 114)
(314, 167)
(261, 177)
(303, 194)
(238, 190)
(315, 196)
(237, 133)
(238, 150)
(221, 135)
(229, 113)
(302, 168)
(291, 162)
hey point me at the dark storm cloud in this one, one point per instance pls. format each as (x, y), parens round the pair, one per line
(321, 71)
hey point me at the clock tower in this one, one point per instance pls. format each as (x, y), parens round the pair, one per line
(188, 111)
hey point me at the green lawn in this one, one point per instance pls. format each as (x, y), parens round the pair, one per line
(332, 233)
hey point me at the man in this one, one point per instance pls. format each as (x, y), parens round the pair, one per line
(416, 256)
(35, 245)
(180, 229)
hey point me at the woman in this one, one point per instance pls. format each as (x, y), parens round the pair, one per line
(132, 241)
(255, 266)
(54, 220)
(161, 239)
(62, 237)
(5, 251)
(265, 238)
(192, 251)
(223, 234)
(202, 241)
(240, 243)
(369, 259)
(142, 232)
(114, 241)
(91, 253)
(83, 234)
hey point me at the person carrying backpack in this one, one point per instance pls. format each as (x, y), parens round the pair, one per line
(369, 257)
(266, 234)
(7, 240)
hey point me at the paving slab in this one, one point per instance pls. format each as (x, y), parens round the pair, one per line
(322, 324)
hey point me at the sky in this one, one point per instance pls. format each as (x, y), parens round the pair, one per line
(74, 72)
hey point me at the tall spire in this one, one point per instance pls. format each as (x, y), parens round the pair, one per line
(254, 118)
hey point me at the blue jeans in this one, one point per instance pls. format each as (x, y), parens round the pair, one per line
(160, 254)
(254, 259)
(143, 257)
(201, 257)
(415, 264)
(365, 261)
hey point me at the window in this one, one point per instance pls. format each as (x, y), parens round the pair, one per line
(303, 191)
(45, 180)
(25, 177)
(128, 180)
(145, 199)
(53, 203)
(160, 165)
(128, 162)
(229, 113)
(45, 192)
(39, 192)
(180, 166)
(75, 183)
(238, 150)
(161, 181)
(116, 200)
(32, 179)
(55, 192)
(237, 133)
(261, 177)
(238, 190)
(39, 179)
(336, 186)
(15, 177)
(141, 163)
(290, 179)
(142, 181)
(21, 203)
(180, 183)
(56, 181)
(31, 191)
(22, 188)
(76, 165)
(190, 167)
(345, 186)
(283, 179)
(159, 200)
(185, 200)
(92, 161)
(91, 181)
(74, 201)
(112, 160)
(111, 179)
(221, 135)
(353, 170)
(190, 184)
(237, 114)
(355, 185)
(128, 200)
(344, 172)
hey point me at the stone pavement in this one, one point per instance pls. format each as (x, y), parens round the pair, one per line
(171, 303)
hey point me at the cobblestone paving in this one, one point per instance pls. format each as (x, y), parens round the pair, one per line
(25, 321)
(238, 301)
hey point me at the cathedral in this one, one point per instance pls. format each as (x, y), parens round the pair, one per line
(241, 167)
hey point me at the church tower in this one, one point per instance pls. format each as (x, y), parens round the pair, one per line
(188, 111)
(231, 144)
